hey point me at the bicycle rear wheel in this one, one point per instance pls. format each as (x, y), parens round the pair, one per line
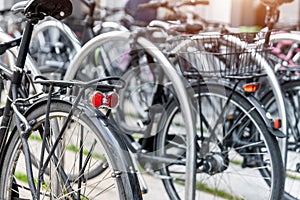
(85, 143)
(291, 91)
(237, 156)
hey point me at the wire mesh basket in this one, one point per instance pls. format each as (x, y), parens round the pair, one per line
(216, 55)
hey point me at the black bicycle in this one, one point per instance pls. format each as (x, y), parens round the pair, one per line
(52, 143)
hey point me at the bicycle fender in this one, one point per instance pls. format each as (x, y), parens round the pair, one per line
(265, 116)
(113, 138)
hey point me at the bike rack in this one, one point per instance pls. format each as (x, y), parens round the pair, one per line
(188, 112)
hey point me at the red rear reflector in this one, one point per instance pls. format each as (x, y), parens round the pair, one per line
(97, 99)
(277, 123)
(251, 87)
(110, 100)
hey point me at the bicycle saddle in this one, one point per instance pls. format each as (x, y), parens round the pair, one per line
(59, 9)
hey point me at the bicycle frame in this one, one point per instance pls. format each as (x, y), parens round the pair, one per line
(13, 95)
(22, 124)
(13, 114)
(13, 91)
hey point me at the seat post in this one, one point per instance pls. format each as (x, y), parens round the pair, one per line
(24, 45)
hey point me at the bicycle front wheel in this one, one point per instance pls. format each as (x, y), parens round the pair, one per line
(82, 148)
(237, 156)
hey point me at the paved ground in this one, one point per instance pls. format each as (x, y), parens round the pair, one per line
(157, 191)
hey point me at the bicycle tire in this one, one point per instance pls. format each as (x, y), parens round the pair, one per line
(291, 91)
(119, 183)
(220, 182)
(56, 38)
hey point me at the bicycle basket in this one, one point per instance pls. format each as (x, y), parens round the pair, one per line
(216, 55)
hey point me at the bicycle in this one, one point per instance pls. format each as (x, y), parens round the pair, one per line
(116, 37)
(287, 76)
(284, 62)
(31, 141)
(154, 143)
(289, 82)
(210, 44)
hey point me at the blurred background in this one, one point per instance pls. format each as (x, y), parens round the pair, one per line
(235, 13)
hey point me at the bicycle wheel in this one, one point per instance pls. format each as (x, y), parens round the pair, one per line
(237, 157)
(291, 91)
(53, 46)
(83, 145)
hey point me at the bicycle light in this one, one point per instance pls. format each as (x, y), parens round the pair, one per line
(251, 87)
(109, 100)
